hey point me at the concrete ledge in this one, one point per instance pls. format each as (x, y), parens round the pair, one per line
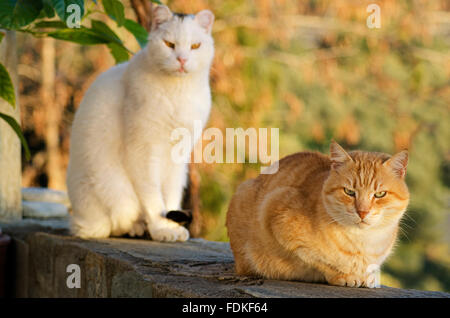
(122, 267)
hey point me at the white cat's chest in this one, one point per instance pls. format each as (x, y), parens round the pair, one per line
(177, 105)
(188, 106)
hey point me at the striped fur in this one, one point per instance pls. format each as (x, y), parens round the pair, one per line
(299, 224)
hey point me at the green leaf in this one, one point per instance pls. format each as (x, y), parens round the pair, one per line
(138, 31)
(50, 24)
(104, 30)
(119, 53)
(100, 33)
(156, 1)
(2, 35)
(15, 14)
(6, 87)
(15, 126)
(48, 9)
(60, 7)
(115, 10)
(81, 36)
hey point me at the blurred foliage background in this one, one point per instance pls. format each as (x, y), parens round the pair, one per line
(314, 70)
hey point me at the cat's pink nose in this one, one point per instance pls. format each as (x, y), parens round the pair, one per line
(362, 214)
(181, 60)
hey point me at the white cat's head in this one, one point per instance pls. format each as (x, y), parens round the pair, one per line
(181, 44)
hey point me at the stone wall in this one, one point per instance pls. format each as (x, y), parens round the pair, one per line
(123, 267)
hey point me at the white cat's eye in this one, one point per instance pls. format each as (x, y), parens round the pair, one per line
(380, 194)
(349, 192)
(195, 46)
(169, 44)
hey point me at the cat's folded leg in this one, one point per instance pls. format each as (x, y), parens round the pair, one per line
(173, 186)
(137, 229)
(337, 275)
(116, 193)
(352, 277)
(369, 280)
(89, 217)
(159, 227)
(145, 169)
(342, 275)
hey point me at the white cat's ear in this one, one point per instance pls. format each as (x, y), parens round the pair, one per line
(338, 155)
(398, 163)
(160, 15)
(206, 19)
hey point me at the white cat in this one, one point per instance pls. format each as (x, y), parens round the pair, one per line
(121, 178)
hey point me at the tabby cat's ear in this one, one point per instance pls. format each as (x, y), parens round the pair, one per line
(206, 19)
(338, 155)
(398, 163)
(160, 15)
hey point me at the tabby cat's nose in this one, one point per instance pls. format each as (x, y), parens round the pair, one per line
(362, 214)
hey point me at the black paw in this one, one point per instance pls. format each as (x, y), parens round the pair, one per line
(183, 218)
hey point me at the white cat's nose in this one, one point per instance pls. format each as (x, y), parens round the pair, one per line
(181, 60)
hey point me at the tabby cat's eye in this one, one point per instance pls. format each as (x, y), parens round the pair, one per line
(169, 44)
(380, 194)
(349, 192)
(195, 46)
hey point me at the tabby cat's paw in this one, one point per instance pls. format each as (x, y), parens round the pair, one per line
(346, 280)
(168, 231)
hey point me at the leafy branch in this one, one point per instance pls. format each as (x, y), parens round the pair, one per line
(53, 18)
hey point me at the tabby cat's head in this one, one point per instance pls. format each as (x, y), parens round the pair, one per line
(181, 44)
(366, 189)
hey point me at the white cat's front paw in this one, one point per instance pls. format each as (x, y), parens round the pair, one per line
(138, 229)
(168, 231)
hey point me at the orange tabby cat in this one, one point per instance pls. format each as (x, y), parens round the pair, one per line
(320, 218)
